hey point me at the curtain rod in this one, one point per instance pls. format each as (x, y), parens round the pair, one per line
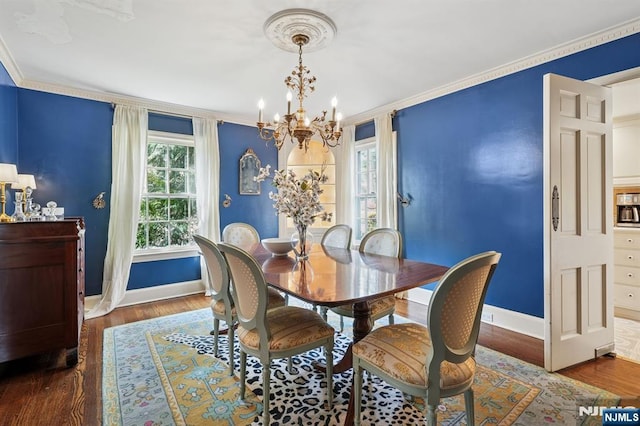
(172, 114)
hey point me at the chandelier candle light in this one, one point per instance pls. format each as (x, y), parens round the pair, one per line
(297, 125)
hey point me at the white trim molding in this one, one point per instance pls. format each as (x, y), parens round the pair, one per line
(152, 294)
(593, 40)
(503, 318)
(575, 46)
(10, 64)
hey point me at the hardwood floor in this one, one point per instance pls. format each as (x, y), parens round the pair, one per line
(40, 390)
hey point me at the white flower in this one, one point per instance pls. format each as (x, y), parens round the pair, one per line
(297, 198)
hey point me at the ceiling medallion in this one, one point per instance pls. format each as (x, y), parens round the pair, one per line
(290, 30)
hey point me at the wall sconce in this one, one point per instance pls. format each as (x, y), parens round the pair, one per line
(227, 201)
(8, 174)
(405, 201)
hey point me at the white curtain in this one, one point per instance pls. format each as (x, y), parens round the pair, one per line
(387, 173)
(344, 176)
(128, 151)
(205, 132)
(387, 177)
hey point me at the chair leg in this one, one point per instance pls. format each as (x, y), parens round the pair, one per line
(341, 323)
(357, 391)
(266, 378)
(328, 350)
(243, 373)
(468, 404)
(231, 345)
(323, 312)
(391, 319)
(216, 333)
(290, 365)
(432, 419)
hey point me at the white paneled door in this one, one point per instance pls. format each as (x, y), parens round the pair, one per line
(578, 221)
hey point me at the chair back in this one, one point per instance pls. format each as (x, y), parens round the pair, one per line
(337, 236)
(382, 241)
(241, 235)
(455, 309)
(249, 289)
(217, 269)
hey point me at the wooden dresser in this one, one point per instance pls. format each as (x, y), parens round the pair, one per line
(41, 288)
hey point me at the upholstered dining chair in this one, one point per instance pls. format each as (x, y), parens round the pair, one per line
(384, 242)
(242, 235)
(436, 361)
(337, 236)
(222, 305)
(275, 333)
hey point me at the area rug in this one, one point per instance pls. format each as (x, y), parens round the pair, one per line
(162, 372)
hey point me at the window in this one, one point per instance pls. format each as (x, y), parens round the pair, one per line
(313, 159)
(168, 204)
(366, 203)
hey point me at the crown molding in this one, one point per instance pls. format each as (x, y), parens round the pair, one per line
(152, 105)
(575, 46)
(596, 39)
(9, 64)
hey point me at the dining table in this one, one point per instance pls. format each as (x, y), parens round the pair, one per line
(335, 276)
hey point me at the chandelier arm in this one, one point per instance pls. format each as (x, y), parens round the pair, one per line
(296, 126)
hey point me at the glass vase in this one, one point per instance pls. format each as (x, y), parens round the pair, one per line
(18, 214)
(301, 241)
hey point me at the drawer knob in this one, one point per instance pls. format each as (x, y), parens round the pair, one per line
(630, 257)
(630, 295)
(630, 275)
(629, 240)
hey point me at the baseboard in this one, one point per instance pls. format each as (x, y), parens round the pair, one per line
(152, 294)
(626, 313)
(503, 318)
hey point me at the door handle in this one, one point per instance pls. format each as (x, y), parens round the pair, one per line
(555, 207)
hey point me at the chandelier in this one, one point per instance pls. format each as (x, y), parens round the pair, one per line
(296, 125)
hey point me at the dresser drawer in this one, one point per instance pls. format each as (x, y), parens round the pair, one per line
(626, 275)
(626, 257)
(629, 240)
(626, 296)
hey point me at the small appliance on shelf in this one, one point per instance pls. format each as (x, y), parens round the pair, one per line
(628, 210)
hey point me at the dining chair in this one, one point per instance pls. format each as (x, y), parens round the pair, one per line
(222, 305)
(272, 333)
(436, 361)
(384, 242)
(337, 236)
(242, 235)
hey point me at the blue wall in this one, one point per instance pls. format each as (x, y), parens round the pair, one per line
(66, 143)
(472, 162)
(254, 209)
(8, 118)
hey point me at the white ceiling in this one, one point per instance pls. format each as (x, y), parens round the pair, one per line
(213, 54)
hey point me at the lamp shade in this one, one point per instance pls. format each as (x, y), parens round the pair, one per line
(24, 181)
(8, 173)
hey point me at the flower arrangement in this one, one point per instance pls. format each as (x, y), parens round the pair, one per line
(297, 198)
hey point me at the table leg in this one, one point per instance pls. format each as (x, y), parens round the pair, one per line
(362, 325)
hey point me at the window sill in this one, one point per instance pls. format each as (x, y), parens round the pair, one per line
(155, 255)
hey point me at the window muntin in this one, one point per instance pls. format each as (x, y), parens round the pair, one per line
(317, 156)
(366, 174)
(168, 204)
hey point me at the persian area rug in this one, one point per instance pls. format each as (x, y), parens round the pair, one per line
(163, 372)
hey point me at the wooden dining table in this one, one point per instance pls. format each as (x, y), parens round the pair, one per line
(334, 276)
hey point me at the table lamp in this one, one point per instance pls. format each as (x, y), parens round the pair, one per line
(8, 174)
